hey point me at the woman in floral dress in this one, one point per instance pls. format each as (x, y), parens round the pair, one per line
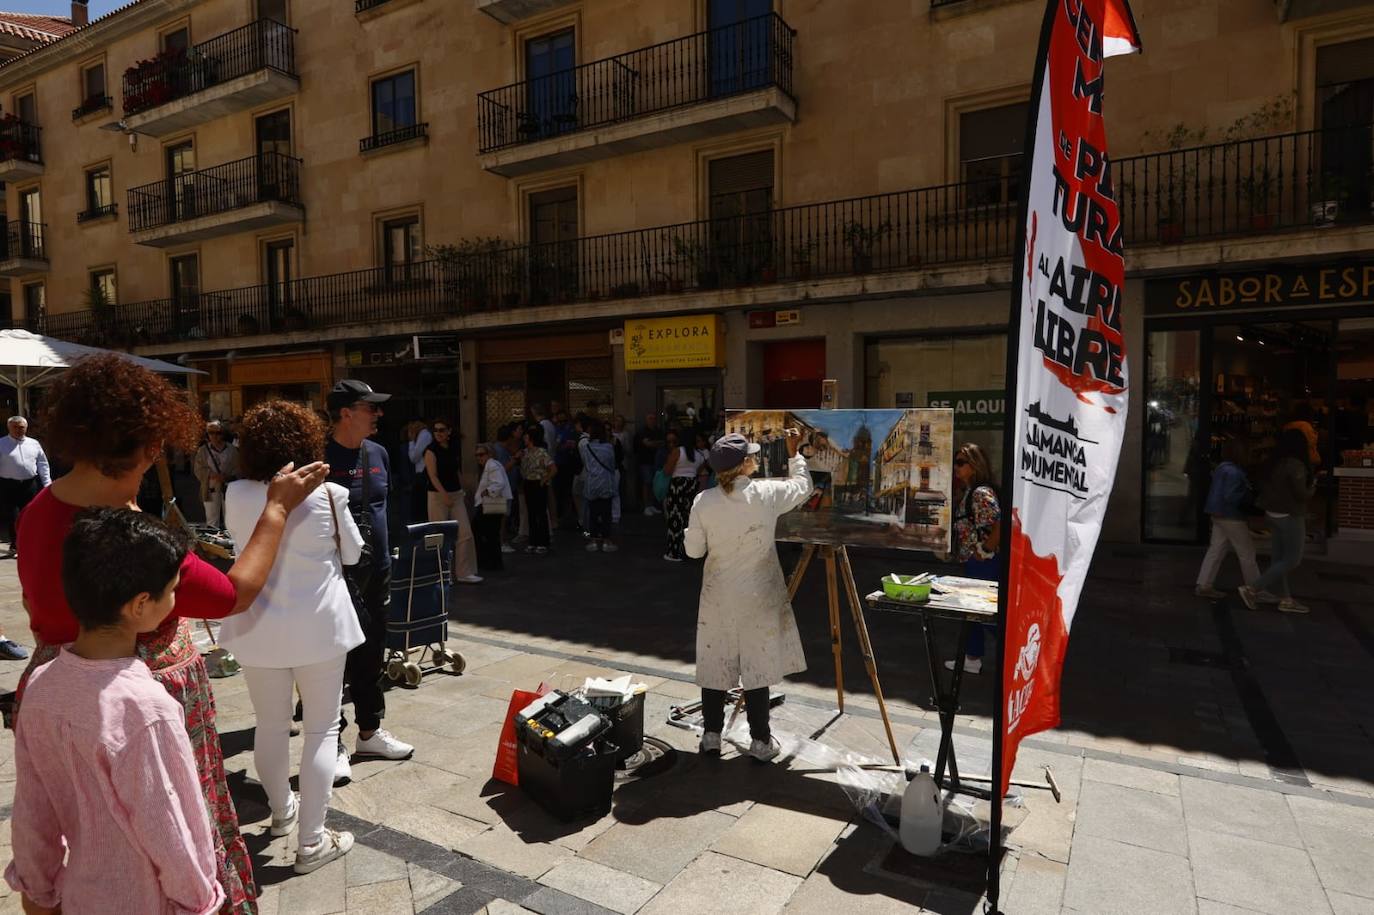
(111, 420)
(977, 533)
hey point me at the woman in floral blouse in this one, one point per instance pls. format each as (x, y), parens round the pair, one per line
(977, 532)
(537, 469)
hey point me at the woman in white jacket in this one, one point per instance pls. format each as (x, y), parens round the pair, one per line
(300, 629)
(746, 633)
(493, 502)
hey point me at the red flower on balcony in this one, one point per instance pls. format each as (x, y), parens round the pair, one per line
(152, 82)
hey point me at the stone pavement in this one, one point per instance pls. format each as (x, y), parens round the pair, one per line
(1212, 760)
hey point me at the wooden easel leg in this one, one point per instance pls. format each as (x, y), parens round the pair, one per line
(866, 648)
(793, 583)
(832, 592)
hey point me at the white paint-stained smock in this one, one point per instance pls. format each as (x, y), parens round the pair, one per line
(746, 632)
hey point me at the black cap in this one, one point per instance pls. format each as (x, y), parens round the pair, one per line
(350, 391)
(729, 452)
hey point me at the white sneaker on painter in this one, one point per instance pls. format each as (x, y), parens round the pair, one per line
(331, 845)
(710, 742)
(343, 770)
(764, 750)
(382, 745)
(282, 825)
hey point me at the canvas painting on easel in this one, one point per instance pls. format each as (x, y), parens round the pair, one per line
(882, 477)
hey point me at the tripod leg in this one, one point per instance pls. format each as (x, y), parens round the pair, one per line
(832, 592)
(793, 583)
(866, 648)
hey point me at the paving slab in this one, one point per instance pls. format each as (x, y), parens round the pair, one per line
(791, 841)
(605, 886)
(364, 865)
(1132, 816)
(658, 849)
(716, 883)
(323, 892)
(1260, 815)
(1256, 875)
(1035, 888)
(1128, 776)
(1347, 817)
(502, 847)
(821, 895)
(433, 824)
(1343, 904)
(1112, 878)
(1344, 860)
(427, 887)
(391, 897)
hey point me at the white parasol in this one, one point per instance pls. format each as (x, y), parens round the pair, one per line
(29, 360)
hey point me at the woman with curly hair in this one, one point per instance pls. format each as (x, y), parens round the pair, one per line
(111, 420)
(300, 629)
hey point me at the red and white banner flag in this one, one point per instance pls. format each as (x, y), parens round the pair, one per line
(1071, 379)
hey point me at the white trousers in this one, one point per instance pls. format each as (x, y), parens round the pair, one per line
(321, 686)
(1229, 532)
(214, 509)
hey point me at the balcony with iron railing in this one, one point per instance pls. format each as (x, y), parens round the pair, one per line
(92, 105)
(21, 150)
(704, 85)
(1308, 180)
(23, 252)
(241, 196)
(230, 73)
(511, 11)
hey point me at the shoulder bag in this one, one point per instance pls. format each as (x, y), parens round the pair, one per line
(492, 504)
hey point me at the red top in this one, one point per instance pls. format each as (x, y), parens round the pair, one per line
(204, 593)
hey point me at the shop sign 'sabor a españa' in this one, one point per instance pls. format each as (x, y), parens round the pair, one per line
(687, 342)
(1068, 407)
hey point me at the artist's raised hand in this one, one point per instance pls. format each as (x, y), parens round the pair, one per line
(290, 486)
(794, 441)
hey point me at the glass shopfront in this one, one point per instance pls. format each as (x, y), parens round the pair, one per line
(1220, 373)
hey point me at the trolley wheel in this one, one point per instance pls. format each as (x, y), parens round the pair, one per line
(441, 657)
(395, 670)
(413, 673)
(457, 662)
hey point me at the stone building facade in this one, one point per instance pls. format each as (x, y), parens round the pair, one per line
(465, 203)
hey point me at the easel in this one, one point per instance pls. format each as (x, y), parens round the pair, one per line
(171, 513)
(838, 556)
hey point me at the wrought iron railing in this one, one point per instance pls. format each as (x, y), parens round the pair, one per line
(264, 44)
(262, 178)
(24, 240)
(91, 105)
(86, 215)
(362, 6)
(20, 140)
(1314, 178)
(391, 137)
(753, 54)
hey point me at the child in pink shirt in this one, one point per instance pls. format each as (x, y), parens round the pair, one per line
(106, 779)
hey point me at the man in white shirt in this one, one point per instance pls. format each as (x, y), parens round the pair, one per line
(23, 472)
(216, 465)
(420, 438)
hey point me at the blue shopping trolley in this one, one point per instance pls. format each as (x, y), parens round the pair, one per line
(417, 623)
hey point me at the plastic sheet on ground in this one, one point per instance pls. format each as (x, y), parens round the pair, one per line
(855, 750)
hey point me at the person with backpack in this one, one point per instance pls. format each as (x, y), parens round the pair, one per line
(977, 533)
(599, 485)
(1227, 502)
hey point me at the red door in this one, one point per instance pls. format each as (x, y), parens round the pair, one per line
(792, 374)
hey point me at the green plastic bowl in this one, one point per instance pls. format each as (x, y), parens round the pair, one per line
(896, 587)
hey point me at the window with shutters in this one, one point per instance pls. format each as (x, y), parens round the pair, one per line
(991, 152)
(553, 243)
(1345, 111)
(740, 198)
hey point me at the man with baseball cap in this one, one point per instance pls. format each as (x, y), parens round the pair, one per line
(361, 466)
(746, 633)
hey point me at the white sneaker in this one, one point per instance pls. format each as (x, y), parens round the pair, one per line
(594, 547)
(282, 826)
(382, 745)
(507, 548)
(1209, 592)
(469, 579)
(710, 742)
(972, 665)
(343, 770)
(671, 558)
(1289, 605)
(1249, 595)
(331, 845)
(608, 547)
(650, 511)
(764, 750)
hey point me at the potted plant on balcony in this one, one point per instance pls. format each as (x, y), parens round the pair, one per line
(102, 311)
(514, 274)
(12, 145)
(1258, 188)
(696, 254)
(466, 269)
(861, 240)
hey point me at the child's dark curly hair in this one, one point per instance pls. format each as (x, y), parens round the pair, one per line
(276, 433)
(108, 411)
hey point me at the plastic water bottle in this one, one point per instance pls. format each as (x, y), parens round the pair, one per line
(922, 815)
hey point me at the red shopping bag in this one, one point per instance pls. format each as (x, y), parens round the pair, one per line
(507, 752)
